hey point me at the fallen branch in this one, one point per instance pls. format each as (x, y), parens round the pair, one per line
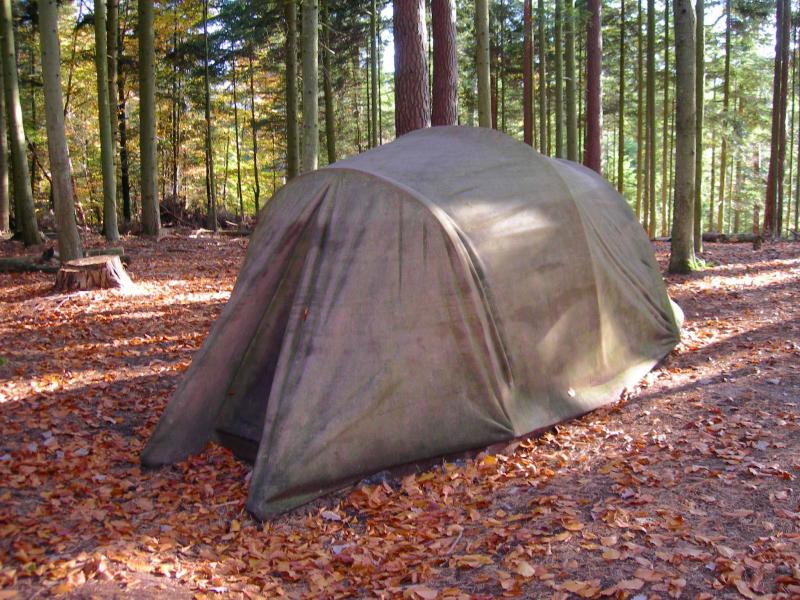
(27, 264)
(733, 238)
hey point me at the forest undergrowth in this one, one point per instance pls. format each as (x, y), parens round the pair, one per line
(685, 487)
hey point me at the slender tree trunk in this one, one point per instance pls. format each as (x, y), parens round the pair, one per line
(31, 140)
(482, 63)
(24, 213)
(650, 126)
(327, 89)
(225, 177)
(543, 130)
(569, 73)
(640, 76)
(412, 103)
(527, 74)
(110, 228)
(112, 31)
(176, 115)
(211, 192)
(725, 117)
(69, 242)
(682, 246)
(254, 132)
(151, 218)
(665, 137)
(310, 85)
(445, 63)
(594, 102)
(700, 88)
(292, 133)
(239, 195)
(784, 96)
(373, 64)
(123, 151)
(559, 65)
(5, 199)
(621, 136)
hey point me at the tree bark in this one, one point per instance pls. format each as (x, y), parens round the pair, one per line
(69, 242)
(151, 218)
(569, 73)
(594, 103)
(665, 111)
(559, 77)
(650, 126)
(682, 245)
(292, 133)
(725, 117)
(412, 103)
(327, 87)
(700, 86)
(445, 63)
(24, 211)
(310, 159)
(110, 228)
(123, 151)
(640, 76)
(543, 129)
(527, 74)
(112, 31)
(482, 63)
(239, 194)
(373, 64)
(5, 203)
(211, 192)
(621, 133)
(254, 131)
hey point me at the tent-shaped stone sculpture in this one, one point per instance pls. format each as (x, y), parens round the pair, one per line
(444, 292)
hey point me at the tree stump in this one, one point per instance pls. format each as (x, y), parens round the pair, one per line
(92, 272)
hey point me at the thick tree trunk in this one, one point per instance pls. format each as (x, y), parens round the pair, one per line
(211, 191)
(543, 129)
(650, 126)
(682, 245)
(594, 102)
(445, 63)
(292, 133)
(482, 63)
(373, 65)
(569, 73)
(69, 242)
(527, 74)
(310, 159)
(254, 132)
(700, 86)
(151, 218)
(412, 103)
(24, 212)
(110, 228)
(559, 64)
(621, 132)
(5, 200)
(92, 272)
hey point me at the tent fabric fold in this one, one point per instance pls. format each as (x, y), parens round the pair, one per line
(444, 292)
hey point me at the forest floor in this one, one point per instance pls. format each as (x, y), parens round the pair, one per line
(685, 487)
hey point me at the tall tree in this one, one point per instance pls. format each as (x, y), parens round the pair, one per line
(327, 86)
(110, 228)
(292, 133)
(682, 246)
(254, 132)
(69, 242)
(650, 123)
(726, 95)
(559, 76)
(527, 73)
(665, 114)
(700, 88)
(122, 121)
(482, 63)
(211, 192)
(594, 102)
(24, 211)
(445, 63)
(412, 102)
(772, 207)
(239, 195)
(543, 129)
(373, 66)
(151, 219)
(310, 85)
(5, 200)
(569, 74)
(621, 134)
(112, 40)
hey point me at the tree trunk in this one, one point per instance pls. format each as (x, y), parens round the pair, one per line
(569, 73)
(784, 96)
(682, 246)
(700, 87)
(650, 126)
(151, 218)
(110, 228)
(327, 87)
(24, 213)
(412, 104)
(725, 117)
(482, 63)
(69, 242)
(292, 134)
(123, 151)
(445, 63)
(543, 130)
(527, 74)
(175, 109)
(621, 134)
(211, 192)
(92, 272)
(310, 85)
(5, 204)
(239, 195)
(254, 131)
(594, 102)
(640, 76)
(373, 64)
(112, 31)
(559, 64)
(665, 137)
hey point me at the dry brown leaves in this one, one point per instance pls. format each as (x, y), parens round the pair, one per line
(685, 488)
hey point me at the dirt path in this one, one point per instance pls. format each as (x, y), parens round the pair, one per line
(685, 488)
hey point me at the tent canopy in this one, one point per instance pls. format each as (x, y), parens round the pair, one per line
(446, 291)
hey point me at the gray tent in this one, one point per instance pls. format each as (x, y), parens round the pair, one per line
(447, 291)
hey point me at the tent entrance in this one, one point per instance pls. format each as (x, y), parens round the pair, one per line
(241, 421)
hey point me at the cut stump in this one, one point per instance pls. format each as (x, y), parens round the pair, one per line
(92, 272)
